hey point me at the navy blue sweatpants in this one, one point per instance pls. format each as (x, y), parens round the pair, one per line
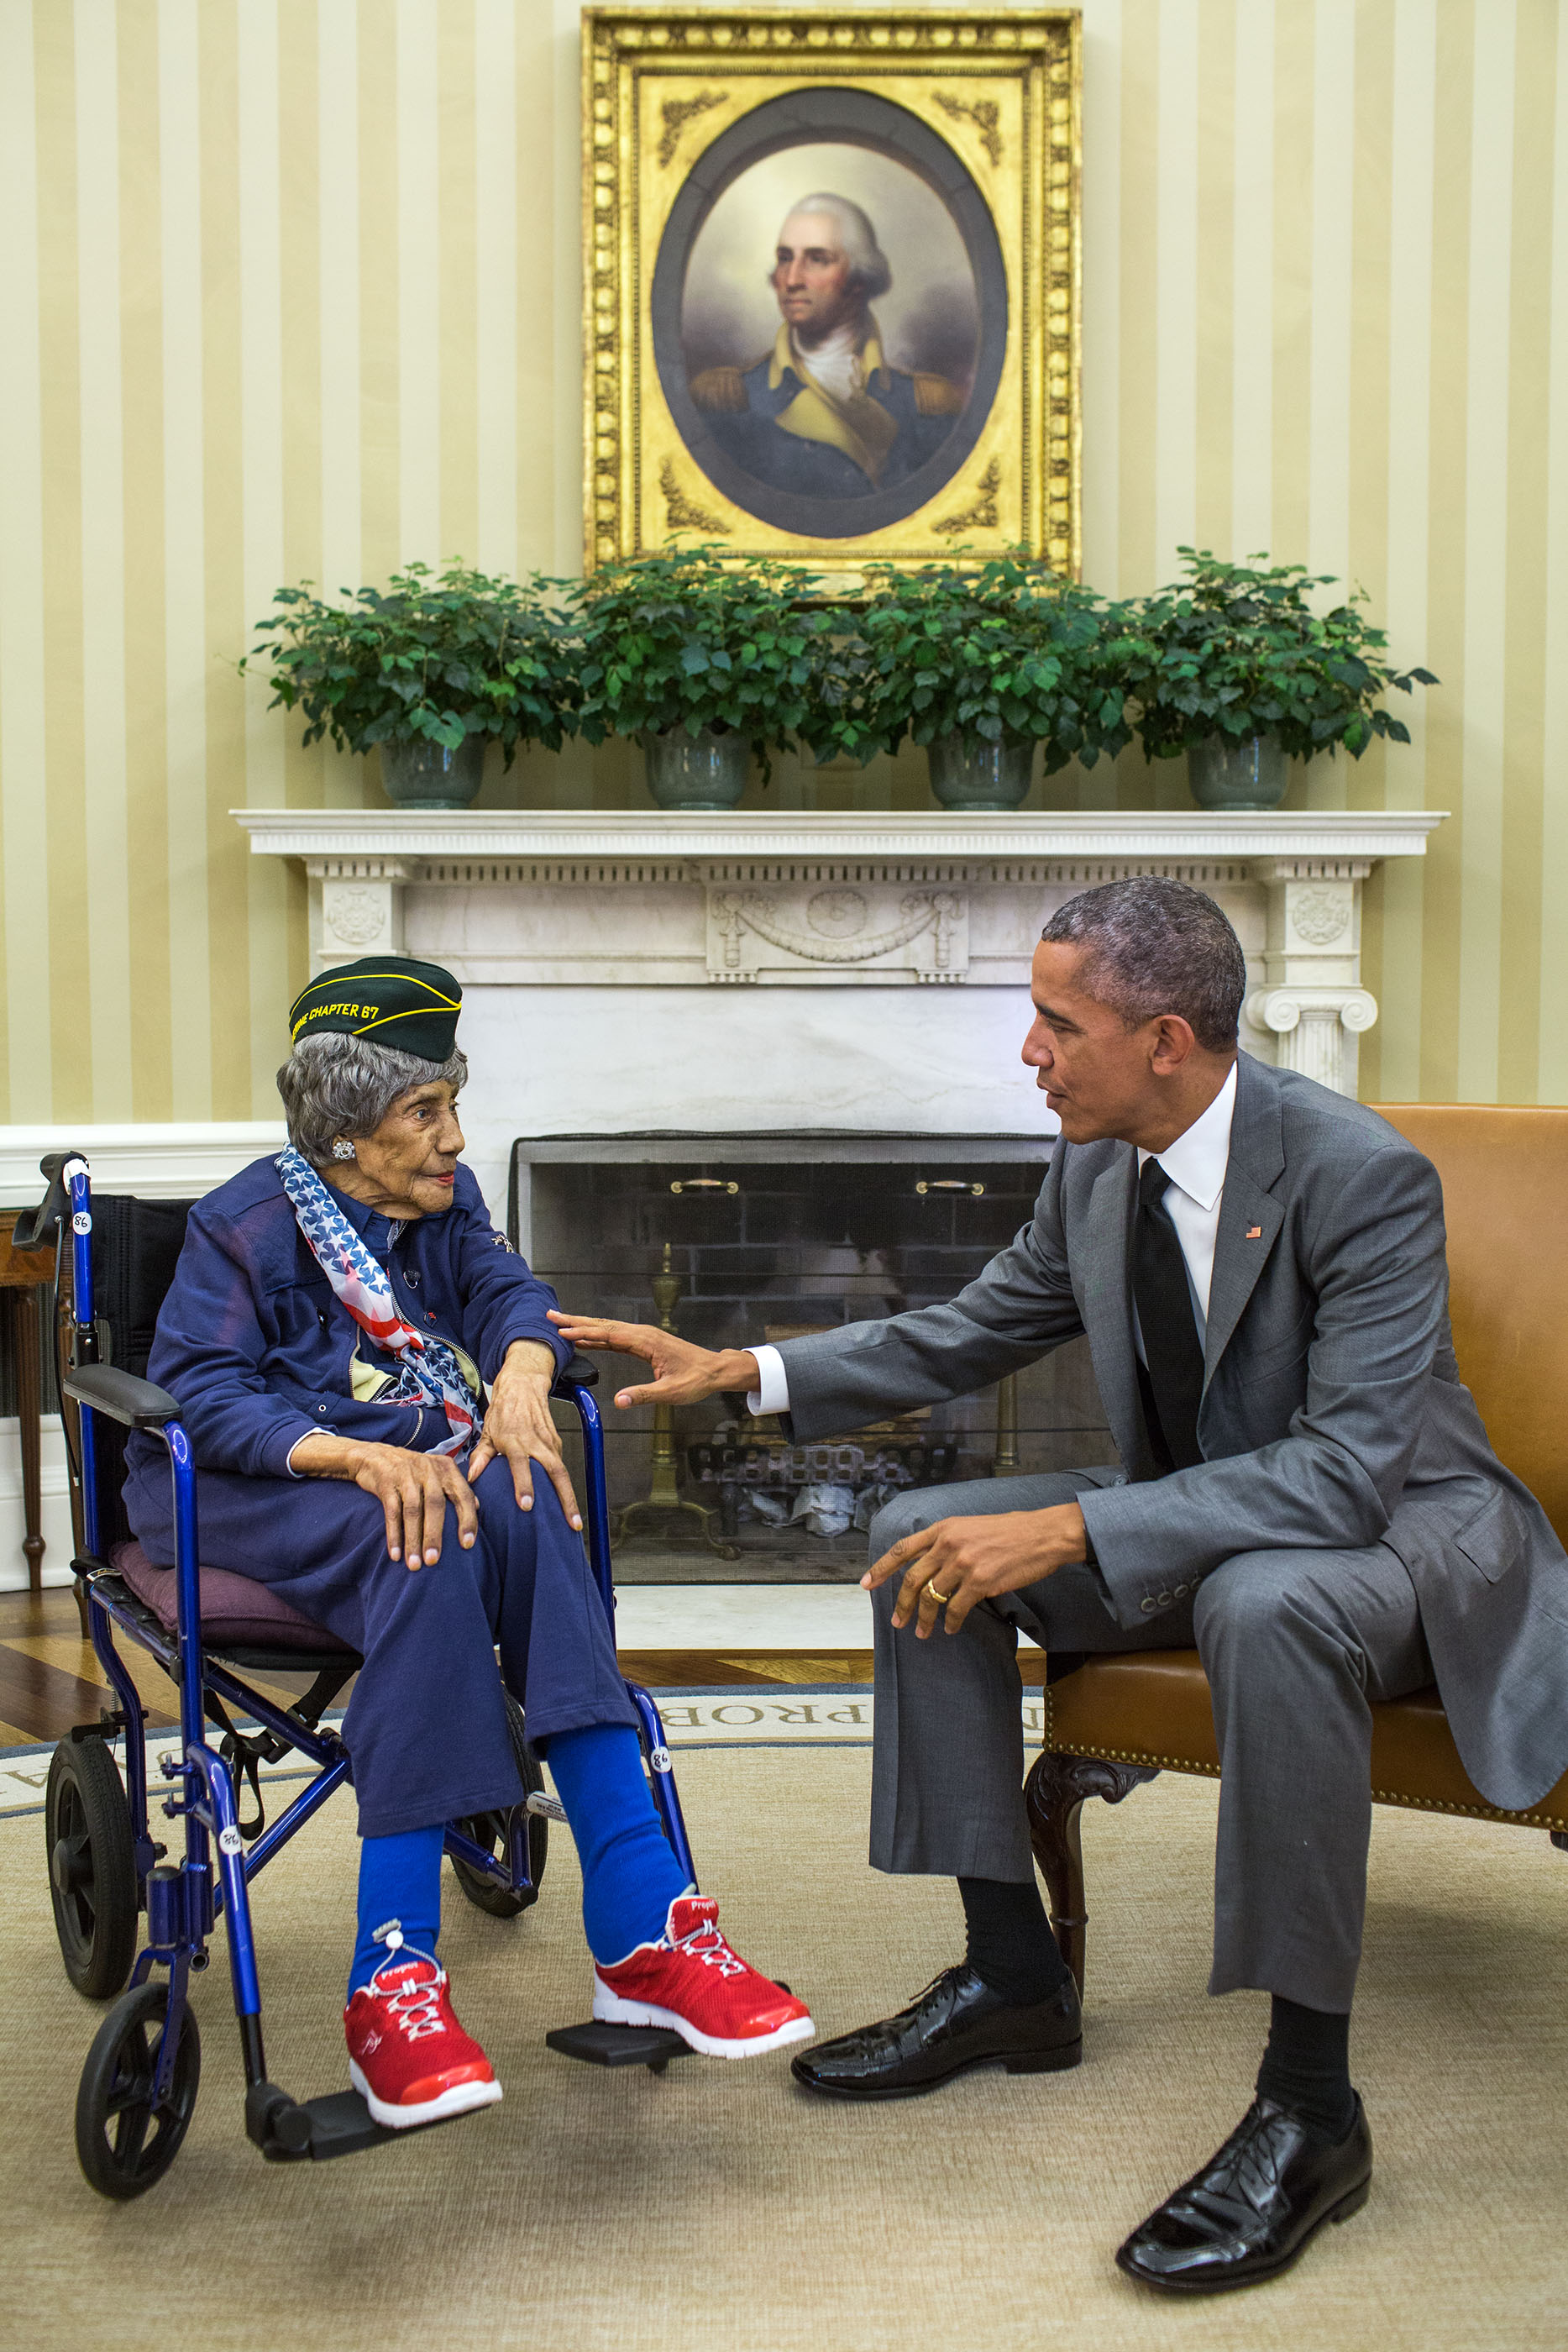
(426, 1726)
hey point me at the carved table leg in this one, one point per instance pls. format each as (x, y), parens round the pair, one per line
(64, 1340)
(25, 1338)
(1054, 1793)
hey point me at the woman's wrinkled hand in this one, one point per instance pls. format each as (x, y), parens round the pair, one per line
(519, 1428)
(414, 1491)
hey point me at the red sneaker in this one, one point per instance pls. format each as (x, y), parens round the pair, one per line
(409, 2059)
(691, 1980)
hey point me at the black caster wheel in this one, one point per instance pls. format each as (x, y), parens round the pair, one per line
(124, 2141)
(92, 1866)
(494, 1830)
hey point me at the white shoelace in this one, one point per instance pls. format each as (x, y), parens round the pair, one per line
(704, 1943)
(415, 2008)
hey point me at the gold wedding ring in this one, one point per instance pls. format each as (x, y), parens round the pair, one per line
(941, 1599)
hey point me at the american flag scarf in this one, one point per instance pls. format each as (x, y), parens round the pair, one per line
(428, 1370)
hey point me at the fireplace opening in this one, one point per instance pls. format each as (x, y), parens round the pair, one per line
(735, 1239)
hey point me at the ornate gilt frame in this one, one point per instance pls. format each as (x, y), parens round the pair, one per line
(1001, 87)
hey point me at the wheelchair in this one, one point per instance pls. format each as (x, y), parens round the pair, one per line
(206, 1628)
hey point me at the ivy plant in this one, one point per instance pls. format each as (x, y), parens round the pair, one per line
(1235, 650)
(697, 638)
(432, 658)
(1003, 650)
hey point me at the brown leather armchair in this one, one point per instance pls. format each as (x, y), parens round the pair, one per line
(1118, 1721)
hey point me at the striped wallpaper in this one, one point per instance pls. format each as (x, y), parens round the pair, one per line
(290, 287)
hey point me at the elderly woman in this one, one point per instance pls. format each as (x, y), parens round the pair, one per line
(363, 1366)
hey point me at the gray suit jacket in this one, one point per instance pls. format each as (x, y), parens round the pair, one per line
(1333, 1416)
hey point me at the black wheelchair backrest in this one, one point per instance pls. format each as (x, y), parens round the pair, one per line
(136, 1246)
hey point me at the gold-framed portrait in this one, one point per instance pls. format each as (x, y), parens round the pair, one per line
(832, 282)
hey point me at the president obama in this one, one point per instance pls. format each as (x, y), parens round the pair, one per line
(1305, 1491)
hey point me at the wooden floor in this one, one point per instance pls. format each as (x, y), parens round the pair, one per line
(50, 1678)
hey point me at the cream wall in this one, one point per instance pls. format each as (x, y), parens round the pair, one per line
(289, 288)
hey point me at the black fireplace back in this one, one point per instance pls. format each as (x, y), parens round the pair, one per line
(767, 1235)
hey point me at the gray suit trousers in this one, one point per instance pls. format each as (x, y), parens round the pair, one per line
(1295, 1646)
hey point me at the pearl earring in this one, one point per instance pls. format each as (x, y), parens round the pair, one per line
(341, 1150)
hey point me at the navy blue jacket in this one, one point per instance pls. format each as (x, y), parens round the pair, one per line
(253, 1341)
(813, 469)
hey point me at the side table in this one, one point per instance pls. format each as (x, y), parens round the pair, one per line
(22, 1273)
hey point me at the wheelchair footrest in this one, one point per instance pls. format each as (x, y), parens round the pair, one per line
(338, 2123)
(653, 2046)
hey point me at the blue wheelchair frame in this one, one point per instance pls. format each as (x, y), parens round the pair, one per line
(183, 1903)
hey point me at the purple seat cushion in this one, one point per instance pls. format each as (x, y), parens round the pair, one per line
(235, 1609)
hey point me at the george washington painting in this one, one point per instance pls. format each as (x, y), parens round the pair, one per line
(832, 281)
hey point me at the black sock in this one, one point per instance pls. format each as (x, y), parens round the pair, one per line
(1011, 1947)
(1306, 2067)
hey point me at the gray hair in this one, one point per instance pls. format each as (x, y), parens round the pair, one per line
(1152, 945)
(867, 261)
(335, 1085)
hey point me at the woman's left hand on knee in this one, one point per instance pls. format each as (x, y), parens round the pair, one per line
(518, 1428)
(949, 1567)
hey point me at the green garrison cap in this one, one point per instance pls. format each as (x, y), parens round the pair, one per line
(389, 999)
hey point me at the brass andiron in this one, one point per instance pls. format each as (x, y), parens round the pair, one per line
(1005, 1460)
(663, 1493)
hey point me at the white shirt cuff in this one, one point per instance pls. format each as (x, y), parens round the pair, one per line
(312, 1432)
(771, 1393)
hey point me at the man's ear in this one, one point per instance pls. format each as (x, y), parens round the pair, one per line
(1173, 1041)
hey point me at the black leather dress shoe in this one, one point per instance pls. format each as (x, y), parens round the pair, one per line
(1251, 2209)
(957, 2022)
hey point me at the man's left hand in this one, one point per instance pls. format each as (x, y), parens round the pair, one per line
(968, 1561)
(518, 1426)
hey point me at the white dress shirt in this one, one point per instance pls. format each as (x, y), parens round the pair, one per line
(1196, 1163)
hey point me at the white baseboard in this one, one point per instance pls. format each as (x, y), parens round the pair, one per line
(157, 1161)
(57, 1511)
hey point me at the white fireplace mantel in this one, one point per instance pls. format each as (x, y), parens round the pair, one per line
(1131, 837)
(925, 902)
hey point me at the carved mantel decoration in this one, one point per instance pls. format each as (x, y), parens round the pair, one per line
(514, 899)
(878, 931)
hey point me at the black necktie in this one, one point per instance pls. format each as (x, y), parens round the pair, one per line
(1173, 1387)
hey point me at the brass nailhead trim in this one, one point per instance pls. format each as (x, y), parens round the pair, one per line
(1475, 1812)
(1138, 1756)
(1380, 1796)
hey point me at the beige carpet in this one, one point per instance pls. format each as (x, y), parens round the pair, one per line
(719, 2207)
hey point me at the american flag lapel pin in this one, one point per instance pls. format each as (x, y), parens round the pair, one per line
(1254, 1232)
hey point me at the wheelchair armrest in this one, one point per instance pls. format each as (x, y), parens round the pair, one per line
(582, 1372)
(37, 1229)
(121, 1395)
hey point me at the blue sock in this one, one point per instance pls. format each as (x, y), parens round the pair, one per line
(630, 1877)
(400, 1878)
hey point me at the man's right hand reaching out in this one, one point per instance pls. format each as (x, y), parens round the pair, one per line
(683, 1374)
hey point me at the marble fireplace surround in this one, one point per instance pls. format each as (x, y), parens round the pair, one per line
(619, 969)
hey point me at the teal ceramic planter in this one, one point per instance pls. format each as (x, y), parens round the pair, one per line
(1226, 774)
(696, 771)
(968, 773)
(427, 775)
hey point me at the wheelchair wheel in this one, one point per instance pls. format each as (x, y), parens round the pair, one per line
(92, 1866)
(494, 1829)
(125, 2139)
